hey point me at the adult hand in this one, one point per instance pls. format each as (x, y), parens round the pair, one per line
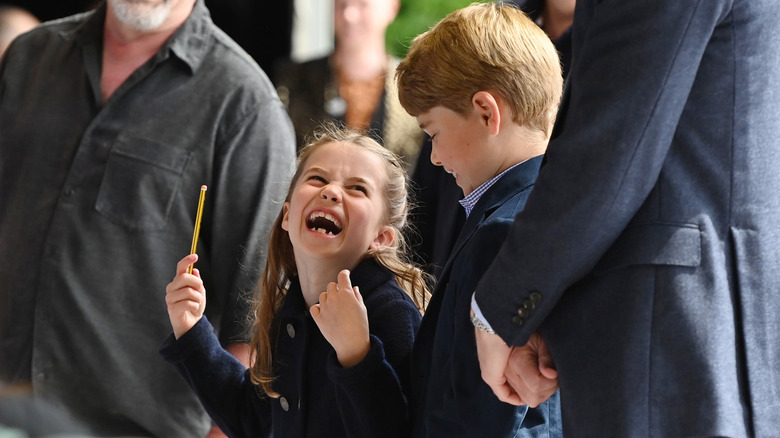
(531, 373)
(343, 320)
(186, 297)
(493, 356)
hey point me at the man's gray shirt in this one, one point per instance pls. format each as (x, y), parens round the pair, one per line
(98, 202)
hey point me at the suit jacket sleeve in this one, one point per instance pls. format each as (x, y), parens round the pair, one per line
(634, 65)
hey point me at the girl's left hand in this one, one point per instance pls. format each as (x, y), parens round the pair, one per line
(342, 319)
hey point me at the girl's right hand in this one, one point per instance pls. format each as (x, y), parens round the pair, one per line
(186, 297)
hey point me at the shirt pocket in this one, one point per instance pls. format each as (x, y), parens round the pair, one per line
(663, 244)
(140, 181)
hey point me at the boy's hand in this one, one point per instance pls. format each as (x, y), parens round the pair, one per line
(342, 319)
(186, 297)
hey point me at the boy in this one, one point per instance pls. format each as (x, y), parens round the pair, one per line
(485, 84)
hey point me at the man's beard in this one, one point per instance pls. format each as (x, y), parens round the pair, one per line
(139, 15)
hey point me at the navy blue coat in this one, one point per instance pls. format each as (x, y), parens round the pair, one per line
(652, 236)
(318, 398)
(449, 397)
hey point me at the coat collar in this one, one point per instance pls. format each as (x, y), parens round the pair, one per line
(368, 275)
(516, 180)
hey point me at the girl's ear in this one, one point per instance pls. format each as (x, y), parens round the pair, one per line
(383, 239)
(285, 217)
(485, 105)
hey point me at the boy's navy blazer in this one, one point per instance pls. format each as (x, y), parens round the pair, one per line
(449, 398)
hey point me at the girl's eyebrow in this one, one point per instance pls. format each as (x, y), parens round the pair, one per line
(315, 169)
(351, 179)
(359, 180)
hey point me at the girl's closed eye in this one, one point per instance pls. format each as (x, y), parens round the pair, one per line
(317, 178)
(359, 188)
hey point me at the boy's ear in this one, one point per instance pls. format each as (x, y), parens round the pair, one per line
(384, 238)
(485, 105)
(285, 217)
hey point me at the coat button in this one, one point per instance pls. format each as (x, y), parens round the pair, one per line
(518, 320)
(285, 405)
(535, 296)
(291, 330)
(522, 313)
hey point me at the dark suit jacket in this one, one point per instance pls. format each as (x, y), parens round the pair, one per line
(449, 397)
(652, 235)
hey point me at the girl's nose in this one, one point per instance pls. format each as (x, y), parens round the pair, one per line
(332, 193)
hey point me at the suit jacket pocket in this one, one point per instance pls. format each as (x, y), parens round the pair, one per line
(139, 182)
(671, 244)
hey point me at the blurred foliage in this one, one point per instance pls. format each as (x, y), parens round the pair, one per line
(414, 18)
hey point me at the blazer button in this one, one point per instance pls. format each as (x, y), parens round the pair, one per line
(284, 403)
(518, 320)
(522, 313)
(291, 330)
(529, 305)
(535, 296)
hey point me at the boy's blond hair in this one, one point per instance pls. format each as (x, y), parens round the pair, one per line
(483, 47)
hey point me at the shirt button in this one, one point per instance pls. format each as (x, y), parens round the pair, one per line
(284, 403)
(291, 330)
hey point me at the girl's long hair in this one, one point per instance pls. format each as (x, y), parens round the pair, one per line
(280, 267)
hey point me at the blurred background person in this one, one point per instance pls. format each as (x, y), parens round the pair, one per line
(13, 22)
(353, 85)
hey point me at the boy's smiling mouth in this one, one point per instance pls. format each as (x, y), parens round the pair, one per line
(323, 223)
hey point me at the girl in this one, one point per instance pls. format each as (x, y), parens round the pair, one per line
(330, 360)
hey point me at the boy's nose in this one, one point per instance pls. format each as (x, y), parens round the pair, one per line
(434, 159)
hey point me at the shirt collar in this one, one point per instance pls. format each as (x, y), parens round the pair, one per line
(470, 200)
(190, 41)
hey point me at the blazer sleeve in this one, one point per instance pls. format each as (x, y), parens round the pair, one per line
(221, 382)
(372, 395)
(634, 66)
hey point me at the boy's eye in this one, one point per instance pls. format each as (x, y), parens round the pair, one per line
(360, 189)
(317, 178)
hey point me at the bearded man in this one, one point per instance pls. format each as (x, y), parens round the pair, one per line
(110, 121)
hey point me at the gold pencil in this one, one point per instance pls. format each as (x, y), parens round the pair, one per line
(198, 215)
